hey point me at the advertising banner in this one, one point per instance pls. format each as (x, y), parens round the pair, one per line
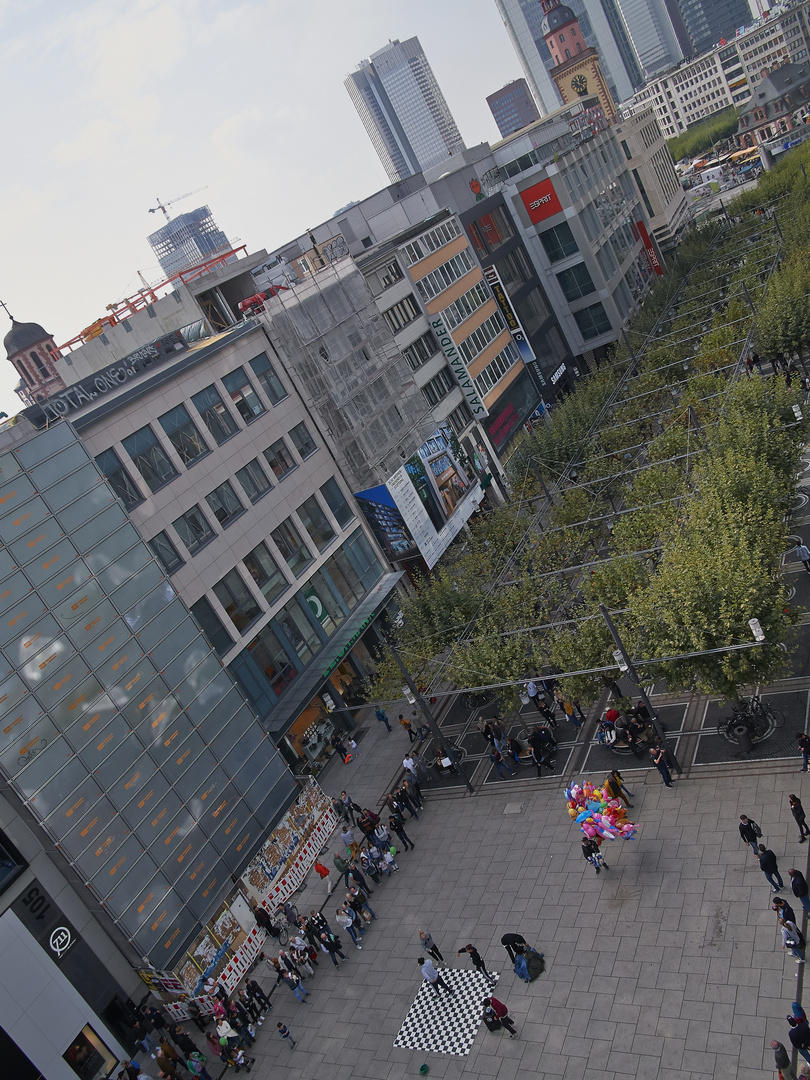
(459, 368)
(649, 247)
(509, 314)
(541, 201)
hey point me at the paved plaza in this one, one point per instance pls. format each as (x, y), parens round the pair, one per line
(666, 965)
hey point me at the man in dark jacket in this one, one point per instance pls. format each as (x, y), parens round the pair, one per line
(783, 909)
(748, 833)
(255, 993)
(331, 945)
(798, 886)
(514, 944)
(799, 1036)
(770, 868)
(501, 1011)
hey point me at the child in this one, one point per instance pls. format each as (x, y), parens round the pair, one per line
(284, 1032)
(389, 859)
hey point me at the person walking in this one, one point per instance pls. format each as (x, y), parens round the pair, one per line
(497, 760)
(502, 1012)
(340, 748)
(406, 724)
(803, 553)
(770, 868)
(284, 1032)
(799, 1035)
(397, 823)
(382, 716)
(255, 993)
(798, 886)
(345, 918)
(350, 806)
(792, 939)
(358, 902)
(783, 909)
(430, 946)
(348, 838)
(797, 810)
(804, 750)
(590, 849)
(615, 789)
(532, 692)
(659, 756)
(432, 977)
(331, 946)
(750, 832)
(294, 984)
(514, 944)
(342, 865)
(478, 962)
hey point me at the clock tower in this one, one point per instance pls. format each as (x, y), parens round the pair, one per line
(577, 71)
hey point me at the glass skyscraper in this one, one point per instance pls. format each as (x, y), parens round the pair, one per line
(403, 110)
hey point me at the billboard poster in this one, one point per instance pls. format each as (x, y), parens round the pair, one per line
(509, 314)
(541, 201)
(434, 493)
(649, 247)
(387, 523)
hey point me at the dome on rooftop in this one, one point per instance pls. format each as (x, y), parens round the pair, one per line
(22, 336)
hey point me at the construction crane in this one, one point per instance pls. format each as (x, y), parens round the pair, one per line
(162, 206)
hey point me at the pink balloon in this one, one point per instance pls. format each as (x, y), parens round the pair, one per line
(589, 830)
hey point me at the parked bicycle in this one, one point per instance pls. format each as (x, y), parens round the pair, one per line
(751, 721)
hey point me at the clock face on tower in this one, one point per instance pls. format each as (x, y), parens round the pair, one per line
(580, 84)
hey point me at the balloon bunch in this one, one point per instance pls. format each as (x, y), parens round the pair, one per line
(597, 814)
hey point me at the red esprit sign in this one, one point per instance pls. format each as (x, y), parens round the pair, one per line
(649, 247)
(541, 201)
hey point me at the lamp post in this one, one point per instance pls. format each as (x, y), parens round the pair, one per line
(626, 664)
(415, 698)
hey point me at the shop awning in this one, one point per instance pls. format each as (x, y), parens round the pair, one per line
(347, 634)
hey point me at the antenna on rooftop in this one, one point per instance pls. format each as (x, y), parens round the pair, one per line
(163, 206)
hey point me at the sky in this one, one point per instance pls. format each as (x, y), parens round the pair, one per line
(111, 105)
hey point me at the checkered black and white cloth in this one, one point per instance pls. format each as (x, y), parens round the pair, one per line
(447, 1024)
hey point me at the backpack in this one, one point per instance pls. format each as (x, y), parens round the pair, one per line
(756, 828)
(535, 963)
(491, 1020)
(521, 969)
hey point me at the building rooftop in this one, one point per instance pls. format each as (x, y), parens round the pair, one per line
(23, 335)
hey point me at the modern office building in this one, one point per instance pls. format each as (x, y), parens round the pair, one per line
(403, 109)
(707, 21)
(187, 240)
(603, 29)
(513, 107)
(137, 782)
(653, 34)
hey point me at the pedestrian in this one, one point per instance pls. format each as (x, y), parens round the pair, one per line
(287, 963)
(195, 1064)
(240, 1022)
(590, 849)
(350, 807)
(166, 1066)
(331, 946)
(514, 944)
(430, 946)
(500, 1010)
(382, 837)
(403, 801)
(358, 879)
(783, 909)
(195, 1012)
(792, 939)
(130, 1070)
(770, 868)
(144, 1038)
(397, 823)
(432, 977)
(342, 865)
(798, 886)
(183, 1041)
(797, 810)
(477, 961)
(804, 750)
(750, 832)
(803, 553)
(497, 760)
(339, 748)
(248, 1004)
(284, 1032)
(346, 919)
(532, 692)
(799, 1035)
(255, 993)
(382, 716)
(294, 984)
(358, 903)
(225, 1031)
(348, 838)
(170, 1053)
(615, 788)
(659, 756)
(413, 790)
(406, 724)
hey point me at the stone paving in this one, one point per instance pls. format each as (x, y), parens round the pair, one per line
(667, 965)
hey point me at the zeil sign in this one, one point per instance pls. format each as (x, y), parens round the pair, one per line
(541, 201)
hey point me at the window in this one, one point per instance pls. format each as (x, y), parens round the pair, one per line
(366, 562)
(532, 310)
(494, 228)
(193, 529)
(225, 504)
(268, 380)
(165, 552)
(40, 366)
(212, 627)
(495, 370)
(420, 351)
(336, 501)
(271, 657)
(240, 605)
(559, 242)
(183, 435)
(576, 282)
(244, 397)
(265, 571)
(322, 603)
(592, 321)
(253, 480)
(514, 269)
(460, 417)
(291, 546)
(443, 276)
(120, 481)
(279, 459)
(438, 387)
(150, 458)
(431, 241)
(315, 522)
(302, 635)
(455, 314)
(401, 314)
(344, 576)
(303, 441)
(88, 1056)
(482, 336)
(215, 416)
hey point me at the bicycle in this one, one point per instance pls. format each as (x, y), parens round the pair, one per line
(751, 719)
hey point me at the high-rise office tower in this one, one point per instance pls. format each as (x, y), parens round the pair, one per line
(513, 107)
(653, 35)
(403, 110)
(707, 22)
(187, 240)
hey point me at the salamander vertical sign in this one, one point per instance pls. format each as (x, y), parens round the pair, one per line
(454, 359)
(509, 314)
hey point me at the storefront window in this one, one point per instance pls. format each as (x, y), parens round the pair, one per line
(309, 736)
(89, 1057)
